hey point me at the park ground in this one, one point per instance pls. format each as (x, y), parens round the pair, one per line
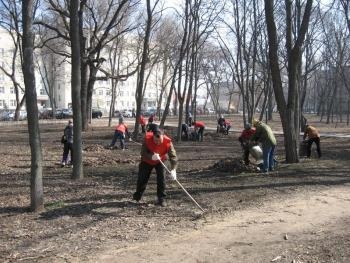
(298, 213)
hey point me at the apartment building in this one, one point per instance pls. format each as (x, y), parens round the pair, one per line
(53, 76)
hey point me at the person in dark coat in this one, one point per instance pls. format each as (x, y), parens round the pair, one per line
(68, 144)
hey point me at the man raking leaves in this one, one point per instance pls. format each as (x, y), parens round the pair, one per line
(155, 149)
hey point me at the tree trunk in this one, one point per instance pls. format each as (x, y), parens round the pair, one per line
(76, 89)
(36, 169)
(141, 75)
(288, 111)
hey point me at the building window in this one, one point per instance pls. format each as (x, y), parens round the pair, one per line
(2, 103)
(12, 90)
(2, 90)
(100, 92)
(42, 92)
(108, 93)
(13, 103)
(121, 93)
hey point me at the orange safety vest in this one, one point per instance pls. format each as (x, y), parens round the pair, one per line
(142, 121)
(162, 149)
(121, 127)
(199, 124)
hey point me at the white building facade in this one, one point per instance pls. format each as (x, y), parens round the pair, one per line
(54, 72)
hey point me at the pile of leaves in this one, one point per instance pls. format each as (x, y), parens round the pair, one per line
(95, 148)
(234, 165)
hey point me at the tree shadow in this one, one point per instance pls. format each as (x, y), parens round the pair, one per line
(11, 210)
(79, 210)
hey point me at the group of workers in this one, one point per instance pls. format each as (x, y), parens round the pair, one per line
(157, 147)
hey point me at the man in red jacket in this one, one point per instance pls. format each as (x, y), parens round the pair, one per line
(244, 139)
(199, 129)
(155, 147)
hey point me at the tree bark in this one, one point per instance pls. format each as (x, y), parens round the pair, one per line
(76, 88)
(288, 110)
(36, 169)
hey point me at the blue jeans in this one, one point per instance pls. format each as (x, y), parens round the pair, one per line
(118, 135)
(268, 158)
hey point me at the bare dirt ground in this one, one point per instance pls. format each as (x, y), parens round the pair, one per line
(297, 213)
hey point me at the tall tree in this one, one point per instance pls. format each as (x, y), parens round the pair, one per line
(288, 109)
(75, 89)
(144, 61)
(36, 168)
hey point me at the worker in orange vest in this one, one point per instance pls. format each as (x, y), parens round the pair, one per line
(199, 129)
(143, 123)
(155, 148)
(121, 130)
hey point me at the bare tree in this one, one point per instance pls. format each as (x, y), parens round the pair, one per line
(36, 171)
(144, 61)
(245, 53)
(10, 14)
(288, 110)
(97, 22)
(76, 89)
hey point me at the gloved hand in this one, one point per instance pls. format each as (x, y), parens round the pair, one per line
(155, 157)
(173, 174)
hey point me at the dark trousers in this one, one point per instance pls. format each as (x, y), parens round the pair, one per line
(245, 147)
(66, 148)
(145, 170)
(200, 134)
(118, 135)
(184, 131)
(309, 144)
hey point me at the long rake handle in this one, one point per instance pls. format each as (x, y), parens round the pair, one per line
(183, 188)
(194, 201)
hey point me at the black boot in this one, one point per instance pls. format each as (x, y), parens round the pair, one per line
(136, 196)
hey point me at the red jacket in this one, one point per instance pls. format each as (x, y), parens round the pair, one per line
(142, 121)
(199, 124)
(162, 149)
(246, 134)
